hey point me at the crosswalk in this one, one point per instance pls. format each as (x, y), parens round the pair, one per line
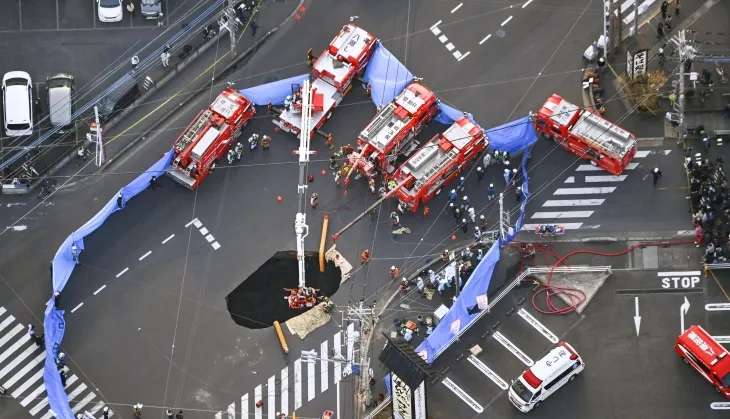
(310, 376)
(21, 374)
(579, 196)
(628, 10)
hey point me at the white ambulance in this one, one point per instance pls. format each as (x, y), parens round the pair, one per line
(541, 380)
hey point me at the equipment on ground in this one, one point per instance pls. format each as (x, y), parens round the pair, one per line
(209, 137)
(586, 134)
(301, 297)
(387, 141)
(439, 162)
(549, 230)
(332, 76)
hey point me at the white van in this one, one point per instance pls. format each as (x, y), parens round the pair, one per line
(17, 104)
(60, 89)
(541, 380)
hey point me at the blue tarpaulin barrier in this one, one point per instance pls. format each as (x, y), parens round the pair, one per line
(448, 114)
(512, 137)
(274, 92)
(387, 382)
(386, 75)
(63, 264)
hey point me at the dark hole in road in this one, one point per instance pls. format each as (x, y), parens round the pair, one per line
(260, 299)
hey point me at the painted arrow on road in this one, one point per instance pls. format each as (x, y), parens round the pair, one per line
(637, 318)
(717, 307)
(683, 309)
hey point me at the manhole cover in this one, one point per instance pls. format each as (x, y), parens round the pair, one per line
(500, 33)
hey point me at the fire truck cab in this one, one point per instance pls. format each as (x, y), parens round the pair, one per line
(438, 162)
(586, 134)
(699, 350)
(388, 138)
(209, 137)
(332, 76)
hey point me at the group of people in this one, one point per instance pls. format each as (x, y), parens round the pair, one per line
(235, 153)
(710, 198)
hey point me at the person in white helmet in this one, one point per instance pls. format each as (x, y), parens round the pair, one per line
(656, 174)
(482, 223)
(462, 184)
(105, 412)
(472, 215)
(491, 192)
(465, 204)
(453, 195)
(507, 176)
(513, 178)
(518, 193)
(287, 103)
(75, 253)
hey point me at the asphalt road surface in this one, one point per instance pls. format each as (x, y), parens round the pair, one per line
(128, 323)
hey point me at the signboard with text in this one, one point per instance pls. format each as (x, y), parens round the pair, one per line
(640, 61)
(408, 403)
(419, 402)
(630, 65)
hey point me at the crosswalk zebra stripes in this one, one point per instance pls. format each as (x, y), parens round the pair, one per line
(580, 196)
(21, 374)
(312, 377)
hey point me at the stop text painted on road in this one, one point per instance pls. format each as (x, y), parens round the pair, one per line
(685, 279)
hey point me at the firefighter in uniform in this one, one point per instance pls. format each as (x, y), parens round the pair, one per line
(333, 162)
(393, 272)
(392, 185)
(401, 207)
(365, 256)
(505, 157)
(338, 176)
(253, 142)
(496, 156)
(394, 218)
(482, 223)
(348, 150)
(231, 156)
(314, 200)
(371, 186)
(239, 150)
(265, 142)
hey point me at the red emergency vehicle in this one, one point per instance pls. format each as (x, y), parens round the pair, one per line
(438, 162)
(698, 349)
(332, 76)
(586, 134)
(390, 134)
(209, 137)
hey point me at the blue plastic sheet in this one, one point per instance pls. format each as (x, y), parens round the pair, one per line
(387, 382)
(274, 92)
(63, 264)
(512, 137)
(386, 75)
(448, 114)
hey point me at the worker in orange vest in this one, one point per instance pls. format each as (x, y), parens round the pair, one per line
(426, 211)
(365, 257)
(314, 201)
(393, 272)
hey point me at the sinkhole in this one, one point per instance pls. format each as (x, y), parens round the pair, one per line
(261, 299)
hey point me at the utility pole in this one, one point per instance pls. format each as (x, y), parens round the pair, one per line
(607, 32)
(636, 18)
(364, 317)
(232, 25)
(503, 218)
(99, 156)
(680, 100)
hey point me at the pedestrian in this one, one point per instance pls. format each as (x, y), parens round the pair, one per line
(676, 7)
(371, 186)
(165, 58)
(672, 99)
(314, 200)
(130, 8)
(482, 223)
(657, 174)
(472, 214)
(457, 214)
(465, 204)
(600, 64)
(120, 201)
(394, 272)
(169, 414)
(179, 414)
(453, 195)
(62, 375)
(338, 176)
(464, 226)
(333, 162)
(513, 178)
(420, 285)
(310, 177)
(505, 158)
(137, 409)
(706, 143)
(105, 412)
(477, 234)
(518, 193)
(395, 219)
(480, 173)
(135, 62)
(487, 161)
(38, 340)
(426, 211)
(75, 253)
(491, 192)
(462, 184)
(699, 234)
(254, 27)
(265, 142)
(365, 256)
(660, 30)
(160, 19)
(507, 176)
(726, 111)
(401, 207)
(154, 183)
(668, 23)
(453, 207)
(56, 295)
(664, 7)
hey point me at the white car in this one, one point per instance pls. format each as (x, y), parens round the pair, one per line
(17, 104)
(109, 10)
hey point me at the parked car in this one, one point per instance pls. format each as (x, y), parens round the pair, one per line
(17, 104)
(150, 8)
(60, 89)
(109, 10)
(118, 99)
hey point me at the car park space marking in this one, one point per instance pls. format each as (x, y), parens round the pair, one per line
(460, 393)
(532, 321)
(456, 8)
(77, 307)
(517, 352)
(100, 289)
(506, 21)
(496, 379)
(168, 239)
(141, 258)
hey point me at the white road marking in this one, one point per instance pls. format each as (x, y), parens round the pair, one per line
(298, 384)
(210, 238)
(463, 56)
(640, 154)
(532, 321)
(463, 395)
(436, 31)
(18, 359)
(122, 272)
(99, 290)
(86, 400)
(600, 179)
(244, 406)
(585, 191)
(450, 46)
(720, 406)
(149, 252)
(78, 390)
(573, 202)
(77, 307)
(570, 179)
(284, 390)
(20, 13)
(517, 352)
(592, 168)
(350, 336)
(168, 239)
(14, 331)
(496, 379)
(215, 245)
(337, 346)
(435, 24)
(193, 221)
(5, 324)
(685, 232)
(506, 21)
(58, 24)
(311, 382)
(204, 231)
(29, 382)
(17, 345)
(324, 366)
(485, 39)
(257, 397)
(457, 8)
(443, 39)
(271, 391)
(457, 54)
(97, 407)
(563, 214)
(32, 396)
(2, 311)
(219, 415)
(679, 273)
(526, 3)
(722, 339)
(567, 226)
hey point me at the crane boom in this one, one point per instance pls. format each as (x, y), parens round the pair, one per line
(301, 229)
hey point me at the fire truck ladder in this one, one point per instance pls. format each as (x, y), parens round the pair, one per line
(380, 121)
(193, 131)
(436, 167)
(301, 229)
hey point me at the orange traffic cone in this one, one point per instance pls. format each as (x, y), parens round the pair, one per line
(279, 198)
(324, 172)
(453, 237)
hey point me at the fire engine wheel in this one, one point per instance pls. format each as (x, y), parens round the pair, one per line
(572, 377)
(718, 389)
(537, 405)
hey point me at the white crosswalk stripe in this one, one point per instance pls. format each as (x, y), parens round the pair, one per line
(287, 392)
(21, 373)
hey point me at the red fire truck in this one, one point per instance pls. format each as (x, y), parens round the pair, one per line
(586, 134)
(390, 134)
(699, 350)
(333, 73)
(209, 137)
(438, 162)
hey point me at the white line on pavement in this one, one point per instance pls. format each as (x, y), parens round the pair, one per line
(337, 346)
(517, 352)
(20, 374)
(526, 3)
(18, 359)
(679, 273)
(168, 239)
(204, 231)
(562, 214)
(435, 24)
(485, 39)
(463, 56)
(599, 179)
(17, 345)
(496, 379)
(77, 307)
(573, 202)
(641, 154)
(26, 385)
(122, 272)
(457, 8)
(298, 384)
(311, 383)
(149, 252)
(324, 366)
(506, 21)
(284, 390)
(436, 31)
(192, 222)
(99, 290)
(450, 46)
(584, 191)
(14, 331)
(210, 238)
(271, 391)
(257, 396)
(570, 179)
(532, 321)
(244, 406)
(443, 39)
(463, 395)
(215, 245)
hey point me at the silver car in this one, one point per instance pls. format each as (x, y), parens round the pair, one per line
(150, 8)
